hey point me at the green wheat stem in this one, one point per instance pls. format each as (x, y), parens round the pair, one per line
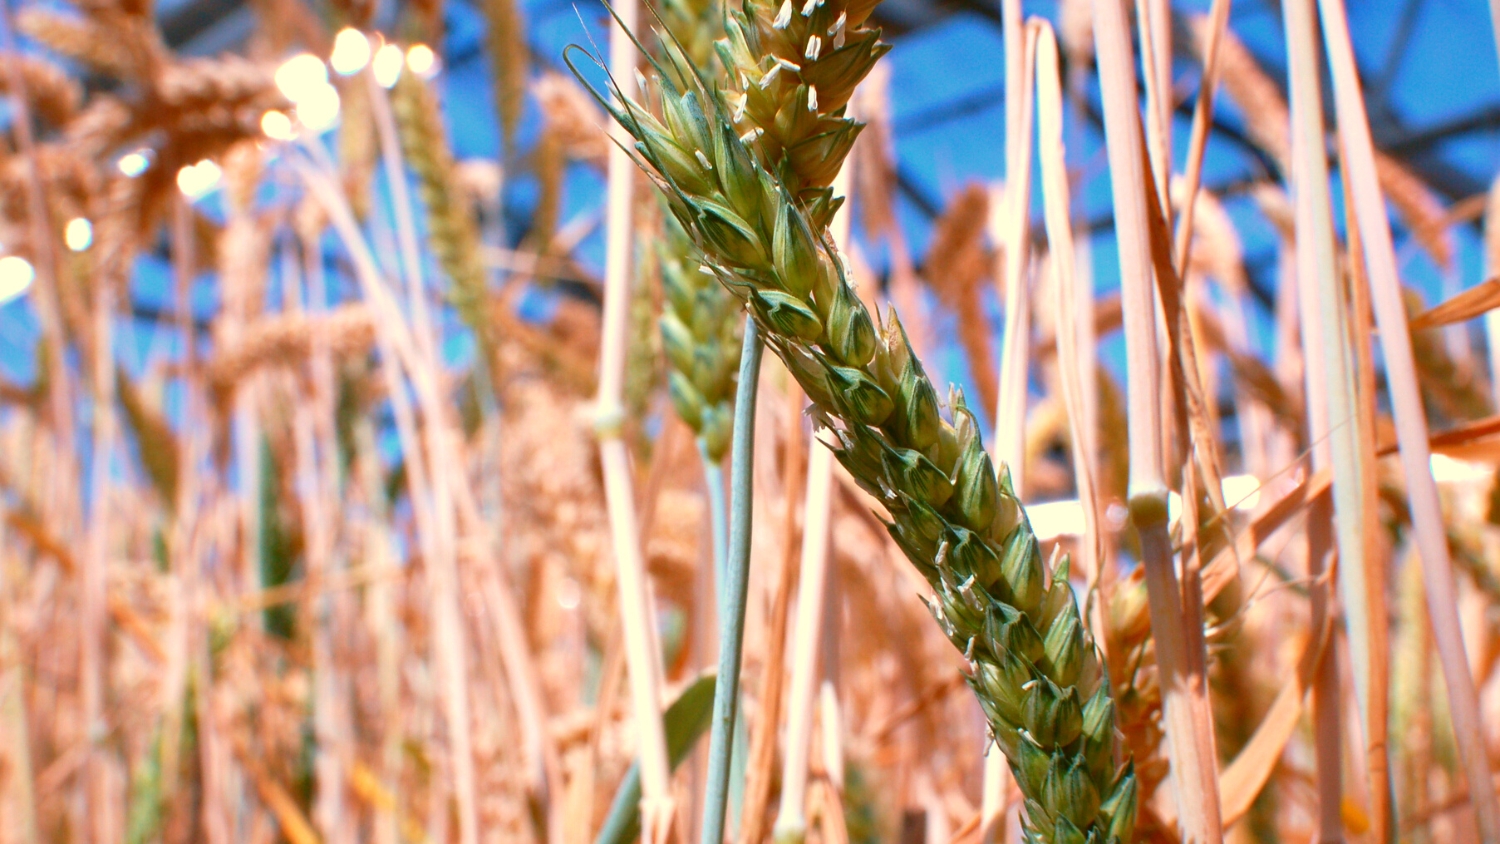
(718, 509)
(718, 522)
(734, 589)
(746, 172)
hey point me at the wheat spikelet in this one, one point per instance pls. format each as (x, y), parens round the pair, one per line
(54, 95)
(228, 79)
(957, 249)
(1268, 123)
(700, 323)
(71, 185)
(1267, 120)
(791, 70)
(643, 350)
(79, 39)
(1424, 213)
(286, 339)
(760, 219)
(1217, 250)
(957, 262)
(700, 331)
(1455, 390)
(548, 159)
(505, 38)
(571, 130)
(121, 226)
(566, 349)
(694, 24)
(357, 147)
(96, 129)
(452, 230)
(572, 117)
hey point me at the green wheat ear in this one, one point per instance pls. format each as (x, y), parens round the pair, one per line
(700, 330)
(744, 167)
(452, 230)
(700, 323)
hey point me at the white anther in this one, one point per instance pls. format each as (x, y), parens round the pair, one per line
(838, 30)
(751, 136)
(812, 98)
(703, 159)
(967, 584)
(1026, 686)
(969, 650)
(765, 81)
(737, 104)
(789, 65)
(807, 8)
(942, 553)
(814, 48)
(783, 15)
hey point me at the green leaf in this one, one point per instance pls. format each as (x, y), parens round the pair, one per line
(686, 720)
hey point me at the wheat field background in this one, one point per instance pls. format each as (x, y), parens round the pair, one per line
(839, 421)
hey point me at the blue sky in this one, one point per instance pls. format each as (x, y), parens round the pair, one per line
(1431, 62)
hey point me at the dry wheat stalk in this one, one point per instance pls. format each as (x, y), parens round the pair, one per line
(509, 57)
(1268, 124)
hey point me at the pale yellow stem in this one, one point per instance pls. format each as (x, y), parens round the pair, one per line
(642, 652)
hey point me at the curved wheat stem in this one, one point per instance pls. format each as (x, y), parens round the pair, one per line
(753, 197)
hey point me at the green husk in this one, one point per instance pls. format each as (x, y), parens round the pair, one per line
(758, 212)
(700, 332)
(700, 323)
(453, 232)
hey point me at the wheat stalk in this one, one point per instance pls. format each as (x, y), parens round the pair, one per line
(1411, 422)
(1175, 608)
(657, 805)
(760, 220)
